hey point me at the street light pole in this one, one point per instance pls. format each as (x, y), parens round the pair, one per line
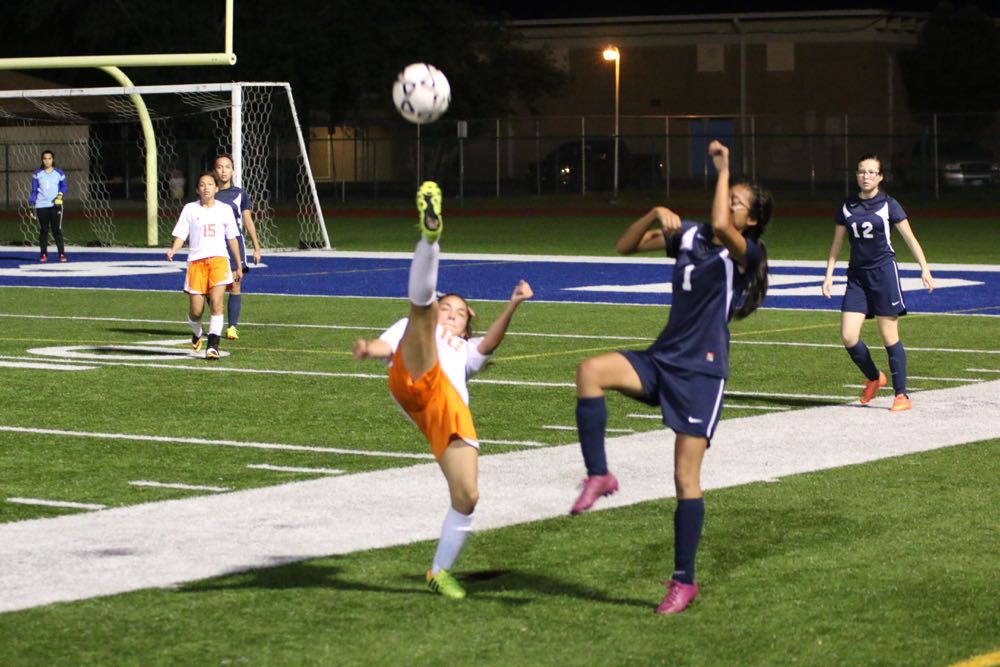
(612, 53)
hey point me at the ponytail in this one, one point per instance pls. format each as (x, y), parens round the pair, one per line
(756, 291)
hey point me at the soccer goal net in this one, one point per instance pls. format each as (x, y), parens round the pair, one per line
(98, 139)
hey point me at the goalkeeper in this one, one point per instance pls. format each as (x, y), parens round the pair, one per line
(48, 185)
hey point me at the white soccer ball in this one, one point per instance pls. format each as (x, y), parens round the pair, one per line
(421, 93)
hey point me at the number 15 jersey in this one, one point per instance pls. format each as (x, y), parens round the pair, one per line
(868, 228)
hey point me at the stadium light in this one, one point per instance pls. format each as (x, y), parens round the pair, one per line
(612, 53)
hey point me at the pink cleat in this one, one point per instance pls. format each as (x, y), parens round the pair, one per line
(678, 597)
(594, 487)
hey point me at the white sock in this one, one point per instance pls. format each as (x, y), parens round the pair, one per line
(215, 325)
(195, 326)
(455, 530)
(424, 273)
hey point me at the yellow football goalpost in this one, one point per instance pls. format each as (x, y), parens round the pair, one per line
(111, 65)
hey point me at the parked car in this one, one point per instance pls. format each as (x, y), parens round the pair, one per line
(562, 169)
(960, 164)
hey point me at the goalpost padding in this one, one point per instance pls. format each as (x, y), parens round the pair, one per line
(256, 122)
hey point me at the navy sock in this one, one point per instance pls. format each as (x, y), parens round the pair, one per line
(591, 420)
(688, 519)
(897, 366)
(862, 358)
(233, 308)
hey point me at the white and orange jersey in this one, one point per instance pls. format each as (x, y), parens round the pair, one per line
(206, 229)
(460, 358)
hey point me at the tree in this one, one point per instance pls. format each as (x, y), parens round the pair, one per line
(953, 69)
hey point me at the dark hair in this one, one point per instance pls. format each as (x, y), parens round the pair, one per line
(50, 153)
(224, 155)
(210, 175)
(467, 334)
(871, 156)
(760, 211)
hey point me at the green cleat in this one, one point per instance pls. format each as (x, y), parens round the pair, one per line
(445, 584)
(429, 210)
(232, 333)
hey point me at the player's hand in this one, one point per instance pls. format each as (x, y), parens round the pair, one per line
(32, 213)
(827, 284)
(360, 349)
(928, 280)
(256, 256)
(170, 255)
(720, 155)
(522, 291)
(58, 201)
(238, 274)
(669, 221)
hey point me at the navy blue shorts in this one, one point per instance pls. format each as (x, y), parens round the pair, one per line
(874, 292)
(691, 403)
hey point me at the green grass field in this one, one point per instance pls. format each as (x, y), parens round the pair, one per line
(886, 563)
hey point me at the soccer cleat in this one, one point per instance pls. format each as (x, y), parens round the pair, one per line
(872, 387)
(429, 210)
(62, 259)
(901, 403)
(594, 487)
(445, 584)
(195, 343)
(678, 597)
(211, 353)
(232, 333)
(44, 259)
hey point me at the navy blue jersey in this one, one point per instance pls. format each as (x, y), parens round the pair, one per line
(708, 287)
(868, 226)
(239, 200)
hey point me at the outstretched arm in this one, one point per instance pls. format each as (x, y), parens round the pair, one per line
(638, 237)
(494, 335)
(722, 224)
(918, 253)
(374, 348)
(839, 233)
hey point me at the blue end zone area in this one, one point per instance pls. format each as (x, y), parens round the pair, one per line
(972, 289)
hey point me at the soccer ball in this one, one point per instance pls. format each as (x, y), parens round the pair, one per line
(421, 93)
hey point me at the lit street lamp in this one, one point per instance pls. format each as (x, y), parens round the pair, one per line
(612, 53)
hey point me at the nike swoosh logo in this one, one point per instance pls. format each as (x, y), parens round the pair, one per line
(895, 303)
(694, 420)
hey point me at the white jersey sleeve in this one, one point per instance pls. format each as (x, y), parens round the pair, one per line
(393, 335)
(475, 360)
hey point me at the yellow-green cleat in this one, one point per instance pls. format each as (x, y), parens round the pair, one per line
(232, 333)
(429, 211)
(445, 584)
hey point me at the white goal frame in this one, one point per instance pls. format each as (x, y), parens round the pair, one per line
(235, 90)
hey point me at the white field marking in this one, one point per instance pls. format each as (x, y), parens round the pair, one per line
(519, 443)
(314, 471)
(840, 347)
(558, 427)
(56, 503)
(773, 408)
(638, 415)
(983, 370)
(771, 394)
(178, 485)
(96, 554)
(44, 367)
(927, 377)
(158, 350)
(213, 443)
(888, 387)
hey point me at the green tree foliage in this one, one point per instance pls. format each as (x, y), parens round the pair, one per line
(955, 65)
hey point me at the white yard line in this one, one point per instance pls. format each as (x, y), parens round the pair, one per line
(314, 471)
(216, 443)
(178, 485)
(44, 367)
(171, 542)
(55, 503)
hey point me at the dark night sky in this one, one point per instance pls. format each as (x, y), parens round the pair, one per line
(542, 9)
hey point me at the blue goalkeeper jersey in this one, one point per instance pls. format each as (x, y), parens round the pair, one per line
(708, 287)
(46, 186)
(869, 223)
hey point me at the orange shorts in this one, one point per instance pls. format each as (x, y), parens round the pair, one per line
(204, 274)
(433, 404)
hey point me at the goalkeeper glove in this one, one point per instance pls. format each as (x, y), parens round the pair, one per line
(58, 200)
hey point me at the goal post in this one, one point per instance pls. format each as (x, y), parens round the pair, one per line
(95, 134)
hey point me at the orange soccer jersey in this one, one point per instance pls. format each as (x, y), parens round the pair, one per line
(204, 274)
(433, 404)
